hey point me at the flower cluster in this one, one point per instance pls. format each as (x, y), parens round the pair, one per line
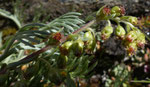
(131, 36)
(79, 44)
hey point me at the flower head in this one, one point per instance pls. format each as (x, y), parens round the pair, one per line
(57, 36)
(106, 10)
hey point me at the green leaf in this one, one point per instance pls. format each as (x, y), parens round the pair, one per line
(8, 15)
(26, 43)
(27, 26)
(72, 13)
(32, 40)
(72, 16)
(91, 67)
(70, 82)
(72, 24)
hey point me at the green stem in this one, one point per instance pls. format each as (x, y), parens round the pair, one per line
(142, 81)
(109, 23)
(132, 26)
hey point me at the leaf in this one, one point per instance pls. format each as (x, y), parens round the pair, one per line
(56, 28)
(82, 68)
(72, 16)
(70, 82)
(26, 27)
(73, 65)
(9, 54)
(66, 26)
(91, 68)
(72, 24)
(40, 32)
(72, 13)
(8, 15)
(26, 43)
(32, 40)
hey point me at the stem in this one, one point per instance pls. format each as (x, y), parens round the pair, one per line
(109, 23)
(128, 24)
(84, 27)
(142, 81)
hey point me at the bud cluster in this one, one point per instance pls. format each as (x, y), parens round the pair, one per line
(106, 13)
(131, 36)
(76, 44)
(133, 40)
(79, 44)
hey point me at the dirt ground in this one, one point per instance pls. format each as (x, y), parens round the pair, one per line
(55, 8)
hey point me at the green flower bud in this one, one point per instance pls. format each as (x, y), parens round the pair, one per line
(120, 32)
(131, 36)
(141, 40)
(90, 42)
(65, 48)
(77, 47)
(131, 48)
(133, 20)
(106, 32)
(116, 10)
(102, 13)
(88, 36)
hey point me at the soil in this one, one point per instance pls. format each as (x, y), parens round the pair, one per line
(55, 8)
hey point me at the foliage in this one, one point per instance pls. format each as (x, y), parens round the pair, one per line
(61, 51)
